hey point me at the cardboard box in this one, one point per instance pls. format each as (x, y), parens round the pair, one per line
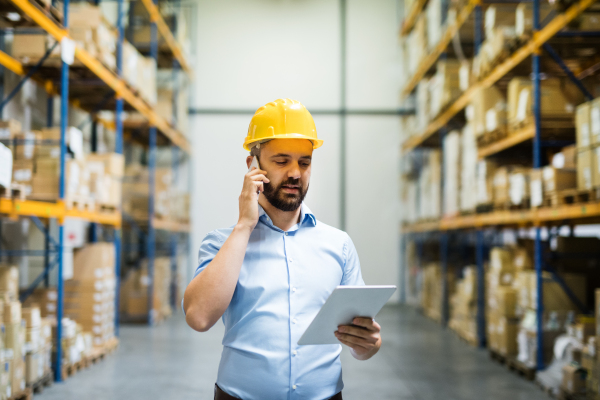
(9, 281)
(34, 367)
(585, 170)
(507, 330)
(9, 129)
(507, 301)
(536, 187)
(30, 46)
(114, 164)
(32, 317)
(559, 179)
(584, 330)
(582, 126)
(18, 374)
(566, 158)
(15, 337)
(573, 379)
(12, 312)
(595, 166)
(22, 171)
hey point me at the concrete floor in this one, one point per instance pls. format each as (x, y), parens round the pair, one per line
(418, 361)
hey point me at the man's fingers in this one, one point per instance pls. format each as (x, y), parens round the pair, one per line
(259, 186)
(358, 332)
(354, 340)
(256, 171)
(367, 323)
(259, 177)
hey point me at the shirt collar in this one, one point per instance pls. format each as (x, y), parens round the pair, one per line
(305, 216)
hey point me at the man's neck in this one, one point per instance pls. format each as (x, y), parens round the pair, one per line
(284, 220)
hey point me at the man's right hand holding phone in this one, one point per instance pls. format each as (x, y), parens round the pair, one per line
(248, 202)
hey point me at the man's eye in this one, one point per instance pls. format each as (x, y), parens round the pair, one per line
(280, 162)
(305, 164)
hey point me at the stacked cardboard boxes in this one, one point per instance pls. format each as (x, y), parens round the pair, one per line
(90, 295)
(463, 306)
(431, 291)
(444, 86)
(557, 101)
(14, 329)
(452, 162)
(489, 111)
(501, 302)
(587, 123)
(134, 292)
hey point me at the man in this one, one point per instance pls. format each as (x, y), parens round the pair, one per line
(269, 275)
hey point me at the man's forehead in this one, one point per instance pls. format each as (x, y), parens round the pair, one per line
(289, 145)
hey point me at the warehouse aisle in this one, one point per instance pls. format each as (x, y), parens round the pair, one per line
(419, 361)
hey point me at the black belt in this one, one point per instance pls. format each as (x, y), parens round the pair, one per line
(221, 395)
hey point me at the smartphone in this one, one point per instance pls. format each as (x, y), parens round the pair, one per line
(254, 164)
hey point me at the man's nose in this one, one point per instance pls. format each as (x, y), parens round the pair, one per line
(294, 171)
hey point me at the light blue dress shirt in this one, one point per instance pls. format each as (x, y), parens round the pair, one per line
(284, 280)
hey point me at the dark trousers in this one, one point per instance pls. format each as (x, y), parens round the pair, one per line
(221, 395)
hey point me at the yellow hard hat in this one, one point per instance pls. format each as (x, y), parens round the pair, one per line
(282, 119)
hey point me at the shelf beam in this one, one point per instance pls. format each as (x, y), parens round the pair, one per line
(413, 15)
(584, 212)
(511, 140)
(541, 37)
(109, 77)
(57, 210)
(433, 56)
(165, 32)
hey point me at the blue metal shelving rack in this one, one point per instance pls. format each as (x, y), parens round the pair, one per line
(53, 248)
(480, 243)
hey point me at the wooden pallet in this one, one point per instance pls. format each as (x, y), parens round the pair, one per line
(563, 395)
(518, 367)
(80, 203)
(22, 395)
(491, 137)
(508, 206)
(71, 369)
(497, 356)
(554, 125)
(107, 208)
(45, 381)
(570, 196)
(15, 192)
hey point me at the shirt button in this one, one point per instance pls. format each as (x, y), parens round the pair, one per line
(294, 352)
(291, 260)
(294, 321)
(294, 387)
(285, 233)
(293, 289)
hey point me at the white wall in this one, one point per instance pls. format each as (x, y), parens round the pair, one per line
(250, 52)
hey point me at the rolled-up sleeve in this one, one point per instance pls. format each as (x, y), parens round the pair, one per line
(211, 244)
(352, 274)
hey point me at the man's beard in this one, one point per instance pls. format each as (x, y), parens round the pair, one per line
(285, 201)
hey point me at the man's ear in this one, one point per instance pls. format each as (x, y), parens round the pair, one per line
(249, 161)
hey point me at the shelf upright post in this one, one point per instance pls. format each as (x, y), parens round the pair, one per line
(478, 28)
(64, 120)
(443, 239)
(479, 257)
(174, 236)
(444, 262)
(150, 240)
(49, 124)
(535, 59)
(118, 150)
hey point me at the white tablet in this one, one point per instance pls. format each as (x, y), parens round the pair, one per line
(343, 305)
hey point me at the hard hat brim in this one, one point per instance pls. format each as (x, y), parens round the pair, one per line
(316, 142)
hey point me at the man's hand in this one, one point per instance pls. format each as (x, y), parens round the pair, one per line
(253, 183)
(363, 337)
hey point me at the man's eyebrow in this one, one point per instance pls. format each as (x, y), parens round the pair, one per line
(287, 155)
